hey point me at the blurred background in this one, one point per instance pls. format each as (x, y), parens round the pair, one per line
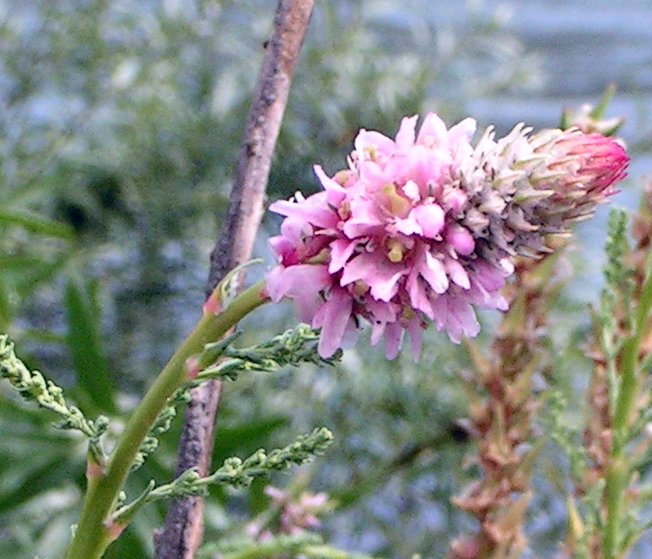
(119, 127)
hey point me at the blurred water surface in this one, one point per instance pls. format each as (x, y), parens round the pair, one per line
(584, 47)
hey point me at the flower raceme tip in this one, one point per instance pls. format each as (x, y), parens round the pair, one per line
(422, 229)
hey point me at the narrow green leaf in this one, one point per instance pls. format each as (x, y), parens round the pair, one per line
(6, 308)
(37, 480)
(42, 272)
(36, 223)
(94, 385)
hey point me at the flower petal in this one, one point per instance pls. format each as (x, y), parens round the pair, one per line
(313, 209)
(431, 219)
(406, 133)
(333, 317)
(460, 238)
(377, 272)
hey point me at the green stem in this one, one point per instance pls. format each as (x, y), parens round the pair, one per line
(619, 469)
(93, 535)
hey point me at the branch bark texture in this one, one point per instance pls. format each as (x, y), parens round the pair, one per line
(183, 530)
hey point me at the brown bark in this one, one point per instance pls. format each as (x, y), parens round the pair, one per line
(182, 534)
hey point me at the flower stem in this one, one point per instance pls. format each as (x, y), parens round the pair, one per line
(619, 470)
(93, 534)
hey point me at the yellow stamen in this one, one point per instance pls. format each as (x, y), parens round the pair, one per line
(320, 258)
(345, 210)
(341, 177)
(397, 204)
(396, 250)
(360, 287)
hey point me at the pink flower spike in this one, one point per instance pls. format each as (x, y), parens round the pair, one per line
(373, 146)
(432, 270)
(304, 283)
(381, 314)
(603, 161)
(341, 252)
(458, 273)
(424, 228)
(366, 219)
(409, 225)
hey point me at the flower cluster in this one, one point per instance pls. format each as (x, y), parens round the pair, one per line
(291, 514)
(423, 228)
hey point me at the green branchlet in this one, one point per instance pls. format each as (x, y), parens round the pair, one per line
(591, 522)
(245, 547)
(605, 511)
(616, 275)
(234, 472)
(623, 326)
(32, 386)
(618, 291)
(619, 281)
(238, 473)
(215, 351)
(162, 424)
(293, 347)
(105, 513)
(584, 512)
(305, 545)
(125, 513)
(565, 436)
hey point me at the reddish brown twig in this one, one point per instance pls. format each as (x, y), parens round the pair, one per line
(503, 407)
(183, 528)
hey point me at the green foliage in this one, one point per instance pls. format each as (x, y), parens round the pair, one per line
(94, 383)
(162, 425)
(293, 347)
(32, 386)
(234, 472)
(41, 481)
(300, 545)
(238, 473)
(568, 437)
(608, 446)
(618, 276)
